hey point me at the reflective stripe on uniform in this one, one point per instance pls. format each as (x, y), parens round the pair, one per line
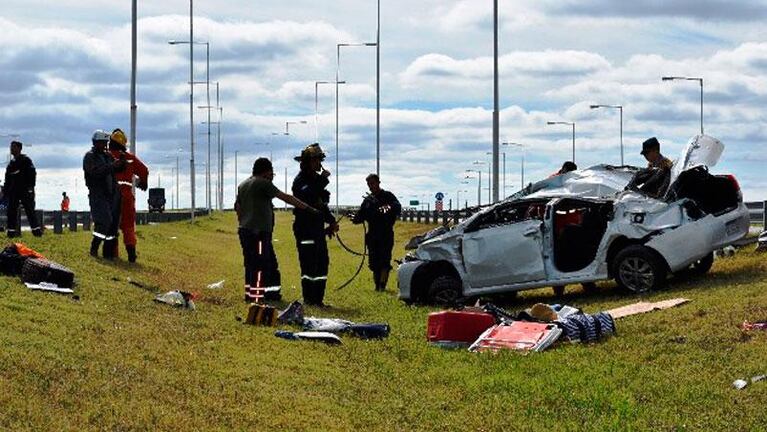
(126, 183)
(314, 279)
(99, 235)
(272, 289)
(306, 242)
(260, 247)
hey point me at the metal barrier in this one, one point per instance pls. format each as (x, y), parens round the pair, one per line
(73, 219)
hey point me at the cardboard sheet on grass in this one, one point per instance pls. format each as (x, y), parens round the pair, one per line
(643, 307)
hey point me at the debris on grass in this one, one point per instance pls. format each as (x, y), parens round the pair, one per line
(177, 298)
(327, 337)
(643, 307)
(740, 384)
(217, 285)
(50, 287)
(759, 325)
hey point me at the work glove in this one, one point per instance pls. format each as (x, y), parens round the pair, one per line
(142, 184)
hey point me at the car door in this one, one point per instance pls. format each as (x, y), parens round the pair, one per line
(504, 253)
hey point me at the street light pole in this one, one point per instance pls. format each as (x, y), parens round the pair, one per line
(620, 108)
(479, 185)
(338, 72)
(566, 123)
(378, 90)
(700, 81)
(316, 108)
(496, 112)
(134, 55)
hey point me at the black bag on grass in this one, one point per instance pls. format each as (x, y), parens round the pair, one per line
(38, 270)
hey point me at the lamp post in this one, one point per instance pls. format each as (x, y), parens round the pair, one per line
(479, 184)
(191, 105)
(337, 82)
(522, 146)
(208, 200)
(700, 80)
(496, 112)
(566, 123)
(620, 108)
(458, 198)
(316, 108)
(489, 176)
(134, 56)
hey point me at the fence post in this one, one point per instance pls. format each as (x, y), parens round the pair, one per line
(58, 222)
(72, 221)
(86, 221)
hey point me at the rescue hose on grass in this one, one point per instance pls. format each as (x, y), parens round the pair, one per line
(353, 252)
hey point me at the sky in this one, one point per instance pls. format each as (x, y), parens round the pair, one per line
(65, 71)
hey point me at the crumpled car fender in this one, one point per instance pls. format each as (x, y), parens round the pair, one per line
(684, 245)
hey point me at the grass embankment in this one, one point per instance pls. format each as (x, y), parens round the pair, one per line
(114, 360)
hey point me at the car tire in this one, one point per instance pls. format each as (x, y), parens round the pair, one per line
(445, 290)
(638, 269)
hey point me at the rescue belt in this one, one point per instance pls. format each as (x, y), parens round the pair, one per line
(353, 252)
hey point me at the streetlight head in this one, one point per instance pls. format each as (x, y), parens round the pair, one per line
(667, 78)
(303, 122)
(595, 106)
(371, 44)
(551, 123)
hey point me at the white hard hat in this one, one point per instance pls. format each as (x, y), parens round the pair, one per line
(100, 135)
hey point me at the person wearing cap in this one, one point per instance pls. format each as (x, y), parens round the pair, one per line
(255, 215)
(380, 210)
(99, 168)
(654, 180)
(310, 228)
(134, 169)
(651, 152)
(19, 188)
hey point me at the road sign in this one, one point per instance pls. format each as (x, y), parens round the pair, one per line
(438, 206)
(439, 196)
(414, 202)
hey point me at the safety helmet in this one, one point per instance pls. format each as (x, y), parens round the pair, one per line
(100, 135)
(119, 137)
(312, 151)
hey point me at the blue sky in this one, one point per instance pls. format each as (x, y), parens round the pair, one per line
(65, 71)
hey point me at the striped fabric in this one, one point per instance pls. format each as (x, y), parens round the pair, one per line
(588, 328)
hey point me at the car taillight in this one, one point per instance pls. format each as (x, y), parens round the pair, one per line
(734, 181)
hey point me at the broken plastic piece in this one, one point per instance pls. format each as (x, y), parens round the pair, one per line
(50, 287)
(217, 285)
(740, 384)
(328, 338)
(176, 298)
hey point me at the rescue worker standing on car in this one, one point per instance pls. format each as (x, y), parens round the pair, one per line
(309, 228)
(255, 214)
(651, 152)
(19, 188)
(380, 210)
(658, 173)
(133, 168)
(100, 168)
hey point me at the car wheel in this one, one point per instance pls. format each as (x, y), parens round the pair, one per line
(701, 266)
(445, 290)
(638, 269)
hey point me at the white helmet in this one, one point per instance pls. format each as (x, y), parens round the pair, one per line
(100, 135)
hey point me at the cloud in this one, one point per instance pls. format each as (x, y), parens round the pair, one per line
(713, 10)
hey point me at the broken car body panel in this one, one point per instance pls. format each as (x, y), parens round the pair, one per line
(562, 230)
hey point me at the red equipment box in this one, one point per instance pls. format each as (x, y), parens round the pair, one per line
(457, 326)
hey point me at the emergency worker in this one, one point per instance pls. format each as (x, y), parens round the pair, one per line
(64, 202)
(133, 168)
(255, 214)
(309, 228)
(19, 188)
(380, 210)
(651, 152)
(100, 168)
(654, 180)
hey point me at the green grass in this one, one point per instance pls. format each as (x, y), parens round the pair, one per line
(115, 360)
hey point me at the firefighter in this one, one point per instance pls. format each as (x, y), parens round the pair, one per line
(309, 228)
(100, 168)
(19, 188)
(133, 168)
(380, 210)
(255, 214)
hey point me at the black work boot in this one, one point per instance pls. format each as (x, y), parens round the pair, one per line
(376, 280)
(109, 250)
(384, 279)
(95, 243)
(131, 253)
(37, 232)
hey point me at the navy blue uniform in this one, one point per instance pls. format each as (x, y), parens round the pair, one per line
(19, 188)
(309, 230)
(103, 196)
(380, 211)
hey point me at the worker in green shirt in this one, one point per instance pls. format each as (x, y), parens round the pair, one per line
(255, 214)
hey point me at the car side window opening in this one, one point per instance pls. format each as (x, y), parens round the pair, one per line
(512, 213)
(578, 230)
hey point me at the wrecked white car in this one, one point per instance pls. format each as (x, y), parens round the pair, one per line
(582, 227)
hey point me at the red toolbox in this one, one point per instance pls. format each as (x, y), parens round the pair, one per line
(457, 326)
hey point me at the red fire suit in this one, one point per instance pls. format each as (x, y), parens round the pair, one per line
(133, 167)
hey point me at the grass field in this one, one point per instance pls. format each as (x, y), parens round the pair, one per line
(115, 360)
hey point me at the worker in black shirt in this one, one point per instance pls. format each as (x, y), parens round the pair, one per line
(19, 188)
(310, 228)
(103, 196)
(380, 210)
